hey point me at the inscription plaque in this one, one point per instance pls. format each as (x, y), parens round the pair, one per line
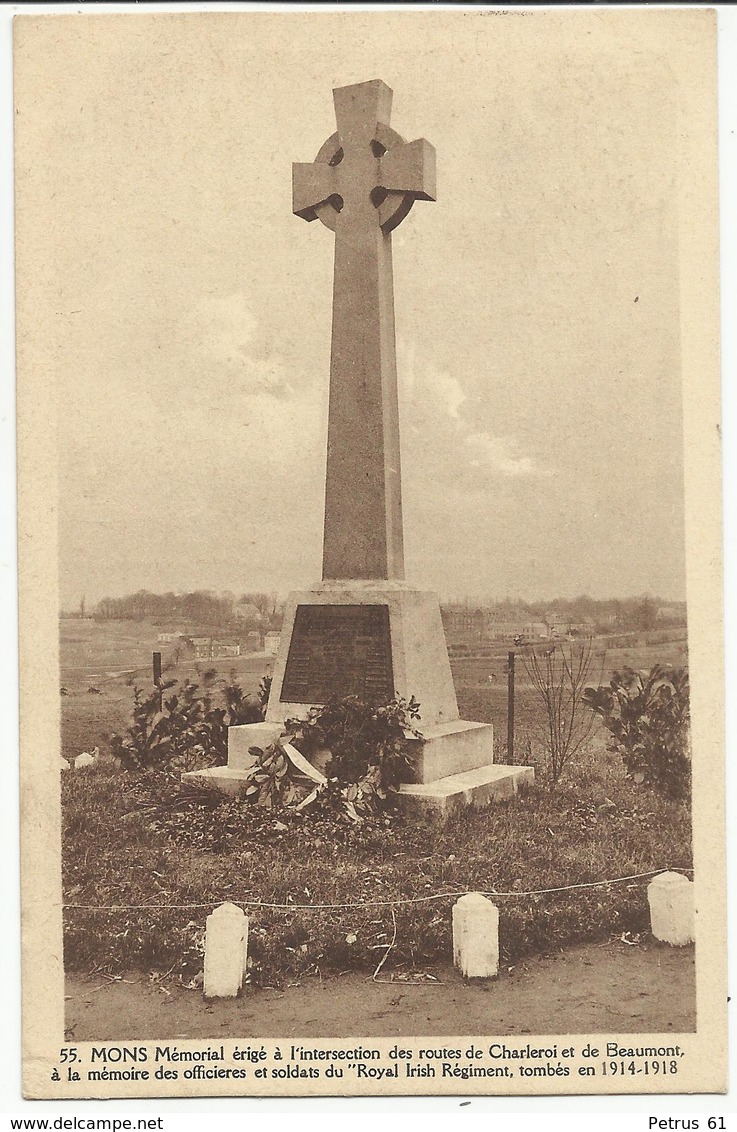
(336, 651)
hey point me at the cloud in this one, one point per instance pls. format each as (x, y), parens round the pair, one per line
(441, 437)
(500, 454)
(432, 386)
(230, 343)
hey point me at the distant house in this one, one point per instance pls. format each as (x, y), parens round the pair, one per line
(168, 638)
(202, 647)
(271, 643)
(585, 628)
(462, 623)
(226, 648)
(208, 648)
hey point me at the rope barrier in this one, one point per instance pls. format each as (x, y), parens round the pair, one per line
(364, 903)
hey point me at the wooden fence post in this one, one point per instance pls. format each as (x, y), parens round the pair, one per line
(510, 707)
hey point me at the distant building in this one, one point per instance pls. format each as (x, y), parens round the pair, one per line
(462, 623)
(271, 643)
(466, 625)
(534, 631)
(511, 630)
(168, 638)
(202, 647)
(208, 648)
(226, 648)
(585, 628)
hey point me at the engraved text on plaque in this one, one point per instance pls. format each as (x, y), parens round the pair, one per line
(336, 651)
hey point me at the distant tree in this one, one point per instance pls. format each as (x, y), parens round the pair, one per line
(200, 607)
(262, 602)
(645, 613)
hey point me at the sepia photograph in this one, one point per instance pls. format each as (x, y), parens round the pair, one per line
(370, 553)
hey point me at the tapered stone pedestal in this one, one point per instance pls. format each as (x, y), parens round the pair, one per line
(366, 638)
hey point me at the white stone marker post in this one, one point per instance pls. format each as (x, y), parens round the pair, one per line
(476, 936)
(670, 896)
(226, 951)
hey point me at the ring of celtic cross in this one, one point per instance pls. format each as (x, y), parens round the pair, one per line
(391, 206)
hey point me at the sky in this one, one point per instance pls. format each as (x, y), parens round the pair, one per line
(184, 312)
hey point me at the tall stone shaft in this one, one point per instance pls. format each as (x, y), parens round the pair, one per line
(363, 491)
(361, 185)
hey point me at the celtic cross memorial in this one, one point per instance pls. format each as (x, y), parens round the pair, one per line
(363, 630)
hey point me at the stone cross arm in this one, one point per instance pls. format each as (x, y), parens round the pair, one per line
(409, 168)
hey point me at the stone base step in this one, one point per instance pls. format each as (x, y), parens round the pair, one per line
(224, 778)
(246, 735)
(451, 748)
(440, 798)
(475, 788)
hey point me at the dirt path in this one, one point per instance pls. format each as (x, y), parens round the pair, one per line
(611, 988)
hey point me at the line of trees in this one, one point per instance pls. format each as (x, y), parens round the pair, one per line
(200, 607)
(643, 612)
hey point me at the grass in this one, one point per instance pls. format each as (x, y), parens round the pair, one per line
(147, 841)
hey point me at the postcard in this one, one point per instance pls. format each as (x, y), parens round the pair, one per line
(370, 553)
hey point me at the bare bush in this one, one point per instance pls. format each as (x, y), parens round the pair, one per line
(559, 674)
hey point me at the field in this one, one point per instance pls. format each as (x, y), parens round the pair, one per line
(112, 656)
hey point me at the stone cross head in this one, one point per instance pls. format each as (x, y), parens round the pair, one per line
(365, 174)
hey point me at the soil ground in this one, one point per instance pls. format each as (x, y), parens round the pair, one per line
(610, 988)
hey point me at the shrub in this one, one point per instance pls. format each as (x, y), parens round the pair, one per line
(647, 715)
(364, 741)
(185, 729)
(368, 750)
